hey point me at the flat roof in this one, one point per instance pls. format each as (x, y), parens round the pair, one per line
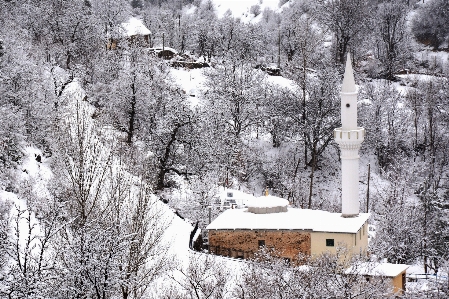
(293, 219)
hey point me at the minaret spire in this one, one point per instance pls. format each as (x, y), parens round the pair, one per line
(349, 137)
(348, 79)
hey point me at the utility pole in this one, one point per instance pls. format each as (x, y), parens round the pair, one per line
(279, 48)
(210, 214)
(367, 190)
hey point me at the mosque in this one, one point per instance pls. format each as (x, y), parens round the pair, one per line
(268, 221)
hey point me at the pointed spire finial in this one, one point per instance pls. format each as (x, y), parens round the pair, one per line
(348, 79)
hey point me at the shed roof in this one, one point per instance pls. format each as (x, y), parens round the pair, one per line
(293, 219)
(377, 269)
(165, 48)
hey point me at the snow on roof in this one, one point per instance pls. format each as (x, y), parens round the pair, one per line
(164, 48)
(293, 219)
(267, 202)
(135, 26)
(377, 269)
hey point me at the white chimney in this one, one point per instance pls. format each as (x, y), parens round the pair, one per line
(349, 137)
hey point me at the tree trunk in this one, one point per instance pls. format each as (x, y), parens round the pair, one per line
(132, 114)
(309, 206)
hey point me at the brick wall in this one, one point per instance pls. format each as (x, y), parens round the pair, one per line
(244, 243)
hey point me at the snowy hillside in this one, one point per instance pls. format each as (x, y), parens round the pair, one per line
(128, 126)
(242, 9)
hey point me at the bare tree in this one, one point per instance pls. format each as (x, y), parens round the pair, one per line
(205, 277)
(347, 19)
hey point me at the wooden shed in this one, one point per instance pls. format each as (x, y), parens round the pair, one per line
(394, 273)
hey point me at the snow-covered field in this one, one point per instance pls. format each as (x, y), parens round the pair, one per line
(241, 8)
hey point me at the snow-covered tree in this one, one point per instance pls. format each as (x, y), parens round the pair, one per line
(347, 20)
(429, 24)
(393, 49)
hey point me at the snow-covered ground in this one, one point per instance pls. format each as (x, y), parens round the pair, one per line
(190, 81)
(177, 233)
(241, 8)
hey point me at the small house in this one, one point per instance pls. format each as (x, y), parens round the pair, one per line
(133, 32)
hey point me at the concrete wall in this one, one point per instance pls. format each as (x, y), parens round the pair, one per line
(357, 242)
(244, 243)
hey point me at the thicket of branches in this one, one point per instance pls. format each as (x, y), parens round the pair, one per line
(99, 227)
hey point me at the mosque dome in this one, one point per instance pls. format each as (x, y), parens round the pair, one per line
(267, 204)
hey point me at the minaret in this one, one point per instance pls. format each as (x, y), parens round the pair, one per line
(349, 137)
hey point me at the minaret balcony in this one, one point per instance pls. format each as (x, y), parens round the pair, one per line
(357, 135)
(349, 142)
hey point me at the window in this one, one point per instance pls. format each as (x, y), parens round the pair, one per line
(230, 194)
(330, 242)
(261, 243)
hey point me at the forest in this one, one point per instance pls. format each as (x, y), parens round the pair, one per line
(102, 150)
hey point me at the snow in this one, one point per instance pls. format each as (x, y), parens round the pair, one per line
(293, 219)
(282, 82)
(165, 48)
(433, 57)
(241, 198)
(37, 175)
(189, 9)
(176, 236)
(135, 26)
(267, 202)
(417, 77)
(190, 81)
(240, 8)
(177, 232)
(377, 269)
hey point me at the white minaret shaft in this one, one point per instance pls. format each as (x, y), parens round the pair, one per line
(349, 137)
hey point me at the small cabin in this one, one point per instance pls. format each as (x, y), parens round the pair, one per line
(394, 273)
